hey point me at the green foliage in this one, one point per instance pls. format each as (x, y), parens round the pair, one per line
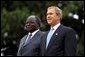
(12, 22)
(80, 49)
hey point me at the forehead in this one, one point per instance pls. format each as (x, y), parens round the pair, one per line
(51, 10)
(30, 20)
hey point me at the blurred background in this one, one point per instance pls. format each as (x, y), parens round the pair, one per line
(14, 14)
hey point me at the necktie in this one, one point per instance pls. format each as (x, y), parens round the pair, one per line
(49, 36)
(28, 38)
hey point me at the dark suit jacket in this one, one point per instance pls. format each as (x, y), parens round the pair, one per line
(32, 48)
(62, 43)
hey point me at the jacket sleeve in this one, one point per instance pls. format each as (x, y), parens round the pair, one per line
(70, 43)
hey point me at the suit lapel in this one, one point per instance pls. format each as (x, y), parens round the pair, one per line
(22, 43)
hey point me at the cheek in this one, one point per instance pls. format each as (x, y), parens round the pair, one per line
(53, 19)
(33, 27)
(49, 19)
(56, 18)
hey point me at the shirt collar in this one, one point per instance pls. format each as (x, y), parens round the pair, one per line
(33, 33)
(56, 26)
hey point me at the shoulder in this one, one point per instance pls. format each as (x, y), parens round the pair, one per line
(41, 32)
(66, 28)
(23, 38)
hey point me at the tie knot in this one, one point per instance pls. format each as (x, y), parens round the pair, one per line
(30, 34)
(52, 29)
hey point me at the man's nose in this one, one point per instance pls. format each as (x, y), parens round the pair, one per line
(48, 16)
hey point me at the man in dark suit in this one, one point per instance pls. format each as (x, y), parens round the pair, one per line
(30, 43)
(60, 40)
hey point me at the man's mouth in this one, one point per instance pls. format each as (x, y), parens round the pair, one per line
(48, 19)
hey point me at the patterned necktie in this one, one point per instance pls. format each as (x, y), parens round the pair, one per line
(49, 36)
(28, 38)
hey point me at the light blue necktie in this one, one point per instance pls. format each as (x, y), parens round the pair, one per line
(49, 36)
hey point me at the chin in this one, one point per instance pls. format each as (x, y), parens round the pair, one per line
(49, 22)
